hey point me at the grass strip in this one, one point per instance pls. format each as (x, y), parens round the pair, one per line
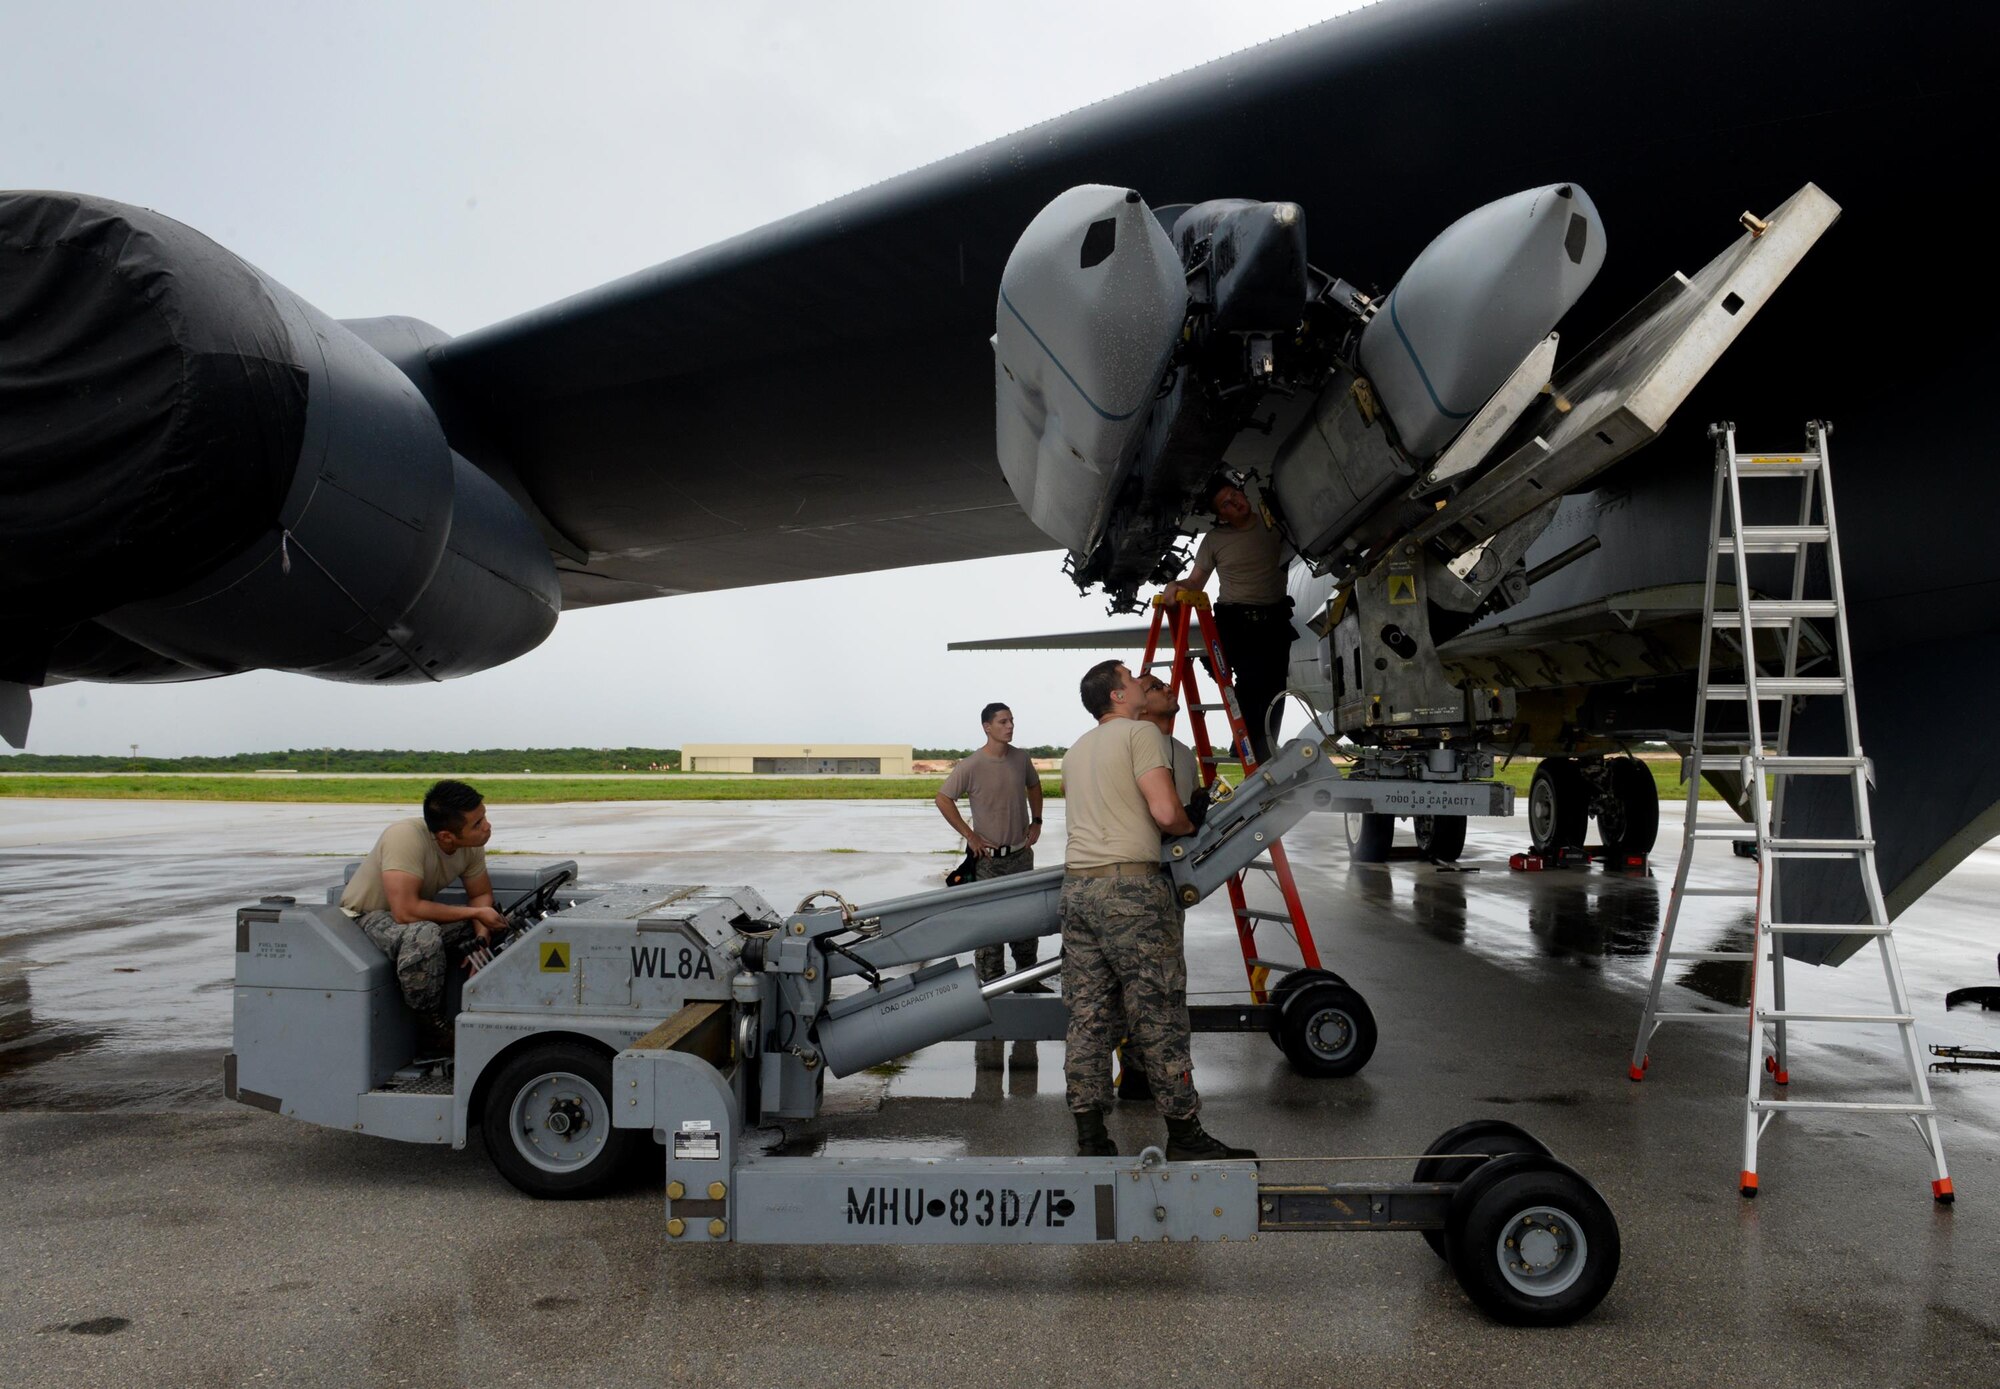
(409, 790)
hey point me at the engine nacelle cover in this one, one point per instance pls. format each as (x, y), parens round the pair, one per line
(206, 474)
(1091, 306)
(1472, 305)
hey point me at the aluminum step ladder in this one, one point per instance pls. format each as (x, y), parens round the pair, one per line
(1180, 621)
(1755, 757)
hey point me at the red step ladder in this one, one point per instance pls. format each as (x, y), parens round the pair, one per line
(1182, 618)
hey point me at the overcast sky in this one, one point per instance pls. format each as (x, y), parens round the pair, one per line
(462, 163)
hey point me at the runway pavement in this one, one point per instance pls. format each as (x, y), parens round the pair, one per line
(158, 1234)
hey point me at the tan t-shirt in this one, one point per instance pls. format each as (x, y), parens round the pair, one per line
(408, 846)
(1187, 769)
(1103, 808)
(998, 790)
(1251, 562)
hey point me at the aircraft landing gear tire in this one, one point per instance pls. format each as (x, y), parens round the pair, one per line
(1440, 838)
(547, 1122)
(1326, 1030)
(1369, 837)
(1494, 1137)
(1629, 821)
(1532, 1242)
(1558, 806)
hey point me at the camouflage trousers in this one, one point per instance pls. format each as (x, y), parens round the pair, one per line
(992, 959)
(417, 952)
(1125, 975)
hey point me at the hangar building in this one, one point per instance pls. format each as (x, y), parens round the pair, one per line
(797, 759)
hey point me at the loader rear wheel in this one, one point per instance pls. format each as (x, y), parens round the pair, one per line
(1326, 1029)
(547, 1121)
(1493, 1137)
(1532, 1242)
(1290, 980)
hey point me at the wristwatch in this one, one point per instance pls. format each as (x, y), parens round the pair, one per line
(1035, 820)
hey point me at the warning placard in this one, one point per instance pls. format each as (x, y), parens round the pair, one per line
(555, 957)
(1402, 588)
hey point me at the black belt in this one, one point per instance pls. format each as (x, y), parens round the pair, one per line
(1258, 612)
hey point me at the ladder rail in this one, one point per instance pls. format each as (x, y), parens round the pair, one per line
(1649, 1019)
(1753, 712)
(1810, 482)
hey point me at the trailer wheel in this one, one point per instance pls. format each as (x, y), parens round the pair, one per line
(1532, 1242)
(1326, 1030)
(1440, 838)
(1558, 805)
(1495, 1138)
(1287, 982)
(1369, 837)
(547, 1121)
(1630, 821)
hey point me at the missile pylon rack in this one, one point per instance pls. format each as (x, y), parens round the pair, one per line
(1756, 758)
(1181, 620)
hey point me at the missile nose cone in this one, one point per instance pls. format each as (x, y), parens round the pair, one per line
(151, 412)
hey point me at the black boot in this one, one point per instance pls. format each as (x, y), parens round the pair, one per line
(1132, 1082)
(1187, 1141)
(1092, 1139)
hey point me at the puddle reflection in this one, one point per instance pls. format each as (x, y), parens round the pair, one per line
(1596, 919)
(25, 1041)
(1439, 905)
(1725, 981)
(1004, 1068)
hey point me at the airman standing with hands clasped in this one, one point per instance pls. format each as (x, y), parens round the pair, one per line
(1005, 792)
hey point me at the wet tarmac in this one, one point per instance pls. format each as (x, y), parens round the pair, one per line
(158, 1233)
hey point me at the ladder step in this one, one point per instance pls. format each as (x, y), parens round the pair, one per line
(1785, 764)
(1850, 845)
(1259, 914)
(1718, 892)
(1736, 1018)
(1718, 761)
(1765, 540)
(1789, 1015)
(1208, 708)
(1778, 464)
(1866, 1107)
(1720, 956)
(1795, 929)
(1781, 686)
(1775, 612)
(1723, 832)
